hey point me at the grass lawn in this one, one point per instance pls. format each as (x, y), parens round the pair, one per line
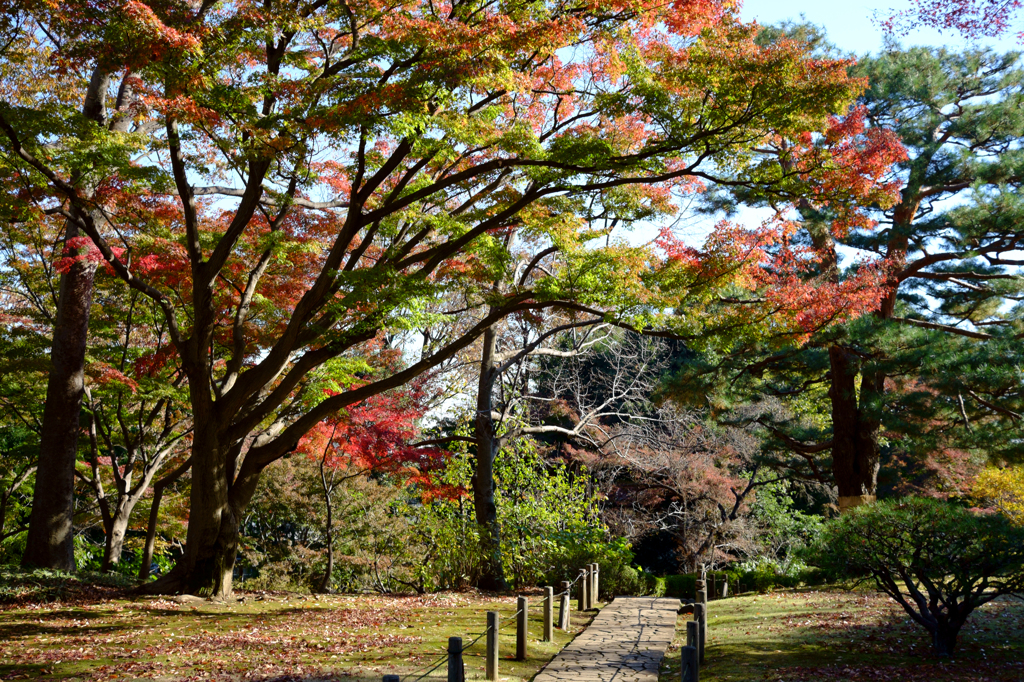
(95, 633)
(811, 635)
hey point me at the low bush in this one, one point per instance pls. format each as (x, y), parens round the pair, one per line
(937, 560)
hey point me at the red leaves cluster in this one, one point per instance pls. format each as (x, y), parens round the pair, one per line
(374, 436)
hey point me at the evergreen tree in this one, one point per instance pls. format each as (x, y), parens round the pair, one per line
(935, 370)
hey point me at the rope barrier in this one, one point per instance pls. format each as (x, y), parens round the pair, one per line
(442, 662)
(475, 640)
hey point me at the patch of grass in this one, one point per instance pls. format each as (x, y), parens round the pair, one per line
(855, 636)
(265, 637)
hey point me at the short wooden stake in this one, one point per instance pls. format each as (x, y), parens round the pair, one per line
(597, 592)
(456, 668)
(521, 624)
(700, 615)
(691, 667)
(581, 591)
(725, 589)
(563, 607)
(693, 634)
(492, 645)
(588, 592)
(549, 614)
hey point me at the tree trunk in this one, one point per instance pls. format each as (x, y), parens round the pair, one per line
(115, 537)
(50, 541)
(154, 516)
(325, 584)
(944, 639)
(493, 576)
(855, 456)
(212, 541)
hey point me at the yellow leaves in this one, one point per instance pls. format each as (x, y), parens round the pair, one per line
(1003, 489)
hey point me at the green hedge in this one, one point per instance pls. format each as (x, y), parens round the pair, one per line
(758, 577)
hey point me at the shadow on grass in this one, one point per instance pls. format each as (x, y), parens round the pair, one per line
(822, 635)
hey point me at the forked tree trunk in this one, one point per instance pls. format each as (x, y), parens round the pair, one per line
(50, 542)
(855, 456)
(115, 539)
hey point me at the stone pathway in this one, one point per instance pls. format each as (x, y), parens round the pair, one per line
(625, 643)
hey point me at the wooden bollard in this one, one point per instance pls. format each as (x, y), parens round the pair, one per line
(563, 607)
(581, 591)
(702, 597)
(492, 645)
(594, 586)
(691, 667)
(549, 614)
(693, 634)
(456, 668)
(521, 625)
(725, 589)
(588, 594)
(700, 616)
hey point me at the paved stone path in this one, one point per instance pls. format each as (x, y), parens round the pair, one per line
(625, 643)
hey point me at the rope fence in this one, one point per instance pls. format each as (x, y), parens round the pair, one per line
(588, 591)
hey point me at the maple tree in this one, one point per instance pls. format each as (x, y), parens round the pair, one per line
(133, 405)
(934, 370)
(292, 181)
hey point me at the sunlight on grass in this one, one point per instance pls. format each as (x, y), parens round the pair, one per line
(304, 637)
(811, 635)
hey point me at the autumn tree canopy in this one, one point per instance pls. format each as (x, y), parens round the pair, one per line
(297, 184)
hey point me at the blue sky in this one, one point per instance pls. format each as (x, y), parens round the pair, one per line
(848, 23)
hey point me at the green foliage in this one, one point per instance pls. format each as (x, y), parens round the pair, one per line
(937, 560)
(781, 528)
(549, 524)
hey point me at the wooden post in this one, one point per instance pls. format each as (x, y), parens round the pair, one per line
(691, 667)
(549, 614)
(702, 597)
(588, 593)
(700, 616)
(563, 607)
(581, 591)
(725, 589)
(693, 634)
(597, 592)
(492, 645)
(456, 668)
(521, 623)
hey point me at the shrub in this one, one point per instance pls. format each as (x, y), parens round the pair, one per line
(937, 560)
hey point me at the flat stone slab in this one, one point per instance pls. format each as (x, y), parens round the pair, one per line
(625, 643)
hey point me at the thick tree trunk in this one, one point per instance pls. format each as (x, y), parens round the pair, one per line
(50, 532)
(493, 577)
(212, 541)
(855, 456)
